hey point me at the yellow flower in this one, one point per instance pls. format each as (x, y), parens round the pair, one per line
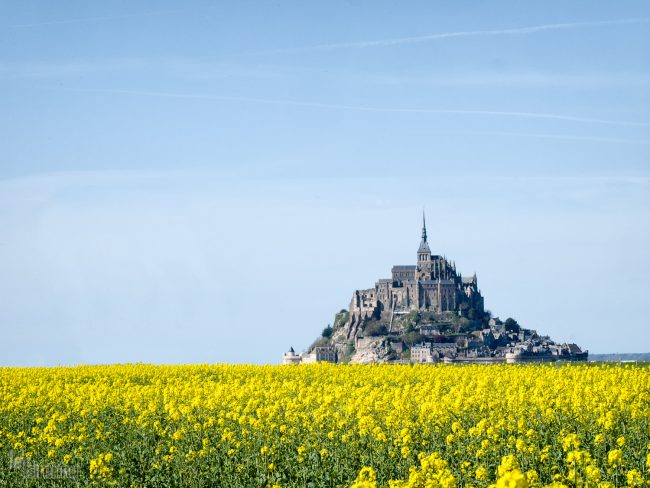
(615, 457)
(367, 478)
(571, 441)
(578, 457)
(532, 476)
(512, 479)
(99, 468)
(634, 478)
(593, 473)
(508, 463)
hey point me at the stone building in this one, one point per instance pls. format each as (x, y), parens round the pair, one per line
(432, 284)
(422, 353)
(291, 357)
(325, 354)
(319, 354)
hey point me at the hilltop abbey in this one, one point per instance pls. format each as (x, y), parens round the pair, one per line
(433, 284)
(428, 313)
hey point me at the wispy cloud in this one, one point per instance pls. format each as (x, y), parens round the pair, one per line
(169, 66)
(507, 79)
(100, 18)
(204, 70)
(448, 35)
(362, 108)
(560, 137)
(62, 69)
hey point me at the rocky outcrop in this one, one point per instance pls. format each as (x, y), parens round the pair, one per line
(372, 350)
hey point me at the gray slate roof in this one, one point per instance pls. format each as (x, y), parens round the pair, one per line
(424, 246)
(435, 282)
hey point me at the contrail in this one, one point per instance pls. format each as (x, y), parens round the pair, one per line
(610, 140)
(361, 108)
(446, 35)
(95, 19)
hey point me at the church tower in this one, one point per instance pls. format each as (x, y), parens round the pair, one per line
(423, 270)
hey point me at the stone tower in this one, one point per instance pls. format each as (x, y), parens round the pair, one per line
(424, 263)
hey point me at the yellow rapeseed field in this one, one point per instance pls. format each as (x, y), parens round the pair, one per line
(325, 425)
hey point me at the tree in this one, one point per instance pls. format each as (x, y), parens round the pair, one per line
(327, 331)
(413, 337)
(512, 325)
(375, 329)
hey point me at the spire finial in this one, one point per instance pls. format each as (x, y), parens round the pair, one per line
(424, 227)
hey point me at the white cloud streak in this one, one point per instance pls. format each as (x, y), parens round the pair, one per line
(510, 79)
(449, 35)
(168, 66)
(102, 18)
(561, 137)
(361, 108)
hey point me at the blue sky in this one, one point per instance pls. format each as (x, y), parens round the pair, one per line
(210, 181)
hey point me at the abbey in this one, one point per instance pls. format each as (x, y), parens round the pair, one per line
(428, 313)
(433, 284)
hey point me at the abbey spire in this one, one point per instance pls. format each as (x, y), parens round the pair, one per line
(424, 246)
(424, 227)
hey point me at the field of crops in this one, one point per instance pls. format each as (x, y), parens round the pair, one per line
(325, 425)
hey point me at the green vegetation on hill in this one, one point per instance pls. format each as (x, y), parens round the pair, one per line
(341, 318)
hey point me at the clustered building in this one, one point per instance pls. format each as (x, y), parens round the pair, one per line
(495, 344)
(318, 354)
